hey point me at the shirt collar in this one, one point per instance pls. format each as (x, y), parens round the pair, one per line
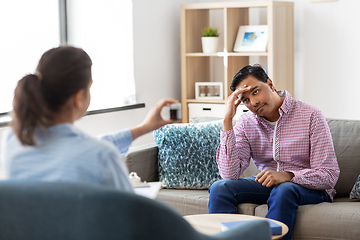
(286, 106)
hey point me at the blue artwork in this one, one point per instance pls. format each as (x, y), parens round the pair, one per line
(251, 37)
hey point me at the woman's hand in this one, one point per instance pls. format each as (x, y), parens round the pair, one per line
(153, 119)
(232, 103)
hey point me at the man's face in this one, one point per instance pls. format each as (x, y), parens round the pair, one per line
(260, 98)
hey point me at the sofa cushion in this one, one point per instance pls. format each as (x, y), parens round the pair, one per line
(346, 138)
(355, 192)
(186, 202)
(338, 220)
(187, 154)
(189, 202)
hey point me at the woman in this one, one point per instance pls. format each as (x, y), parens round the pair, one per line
(43, 144)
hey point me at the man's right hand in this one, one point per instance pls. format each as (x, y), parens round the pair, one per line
(232, 103)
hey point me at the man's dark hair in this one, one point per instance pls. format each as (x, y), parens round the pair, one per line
(250, 70)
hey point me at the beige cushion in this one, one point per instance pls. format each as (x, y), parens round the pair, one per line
(188, 202)
(329, 220)
(338, 220)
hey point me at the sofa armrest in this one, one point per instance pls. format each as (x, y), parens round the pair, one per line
(143, 160)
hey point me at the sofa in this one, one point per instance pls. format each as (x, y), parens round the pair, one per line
(337, 220)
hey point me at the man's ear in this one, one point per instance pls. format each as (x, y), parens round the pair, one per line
(271, 85)
(78, 98)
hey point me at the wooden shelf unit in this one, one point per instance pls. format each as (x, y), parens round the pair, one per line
(223, 65)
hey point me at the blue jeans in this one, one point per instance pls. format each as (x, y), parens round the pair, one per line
(283, 200)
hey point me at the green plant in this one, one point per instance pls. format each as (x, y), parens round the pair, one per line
(210, 32)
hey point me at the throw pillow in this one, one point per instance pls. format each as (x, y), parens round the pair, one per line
(355, 192)
(187, 154)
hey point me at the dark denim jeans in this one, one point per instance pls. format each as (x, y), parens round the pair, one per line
(282, 200)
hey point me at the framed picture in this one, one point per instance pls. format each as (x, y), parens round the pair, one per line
(209, 91)
(252, 38)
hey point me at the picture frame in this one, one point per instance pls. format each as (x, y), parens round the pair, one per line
(209, 91)
(252, 38)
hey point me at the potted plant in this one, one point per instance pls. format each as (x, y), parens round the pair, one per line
(209, 40)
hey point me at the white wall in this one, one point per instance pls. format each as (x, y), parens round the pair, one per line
(326, 56)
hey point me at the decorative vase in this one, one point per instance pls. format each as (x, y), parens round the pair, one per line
(209, 44)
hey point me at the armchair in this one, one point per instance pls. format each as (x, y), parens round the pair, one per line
(50, 210)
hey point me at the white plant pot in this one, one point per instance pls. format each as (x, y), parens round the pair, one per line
(210, 44)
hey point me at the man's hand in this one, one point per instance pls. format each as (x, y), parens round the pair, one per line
(270, 177)
(232, 103)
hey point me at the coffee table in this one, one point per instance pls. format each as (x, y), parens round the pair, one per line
(211, 223)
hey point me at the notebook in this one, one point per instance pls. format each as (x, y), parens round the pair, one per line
(275, 228)
(149, 190)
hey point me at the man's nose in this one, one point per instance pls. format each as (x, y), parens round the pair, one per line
(254, 101)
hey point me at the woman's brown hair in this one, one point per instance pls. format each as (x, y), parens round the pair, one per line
(61, 73)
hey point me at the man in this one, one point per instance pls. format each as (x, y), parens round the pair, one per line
(289, 142)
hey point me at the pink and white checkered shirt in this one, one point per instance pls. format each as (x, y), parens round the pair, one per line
(301, 143)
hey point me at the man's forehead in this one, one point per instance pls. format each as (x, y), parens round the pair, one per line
(244, 94)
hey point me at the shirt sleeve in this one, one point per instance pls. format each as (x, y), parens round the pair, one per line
(324, 170)
(121, 139)
(233, 153)
(4, 151)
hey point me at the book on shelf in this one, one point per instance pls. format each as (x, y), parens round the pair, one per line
(275, 227)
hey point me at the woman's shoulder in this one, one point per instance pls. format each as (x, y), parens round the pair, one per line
(7, 134)
(8, 138)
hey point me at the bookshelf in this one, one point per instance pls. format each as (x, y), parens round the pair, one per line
(222, 65)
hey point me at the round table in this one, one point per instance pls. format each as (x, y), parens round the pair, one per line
(211, 223)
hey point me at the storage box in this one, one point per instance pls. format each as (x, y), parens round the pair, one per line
(212, 110)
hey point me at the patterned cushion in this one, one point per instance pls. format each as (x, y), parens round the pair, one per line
(355, 192)
(187, 154)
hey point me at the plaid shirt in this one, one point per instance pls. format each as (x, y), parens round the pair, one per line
(301, 143)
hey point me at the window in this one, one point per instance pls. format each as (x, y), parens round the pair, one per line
(24, 37)
(102, 28)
